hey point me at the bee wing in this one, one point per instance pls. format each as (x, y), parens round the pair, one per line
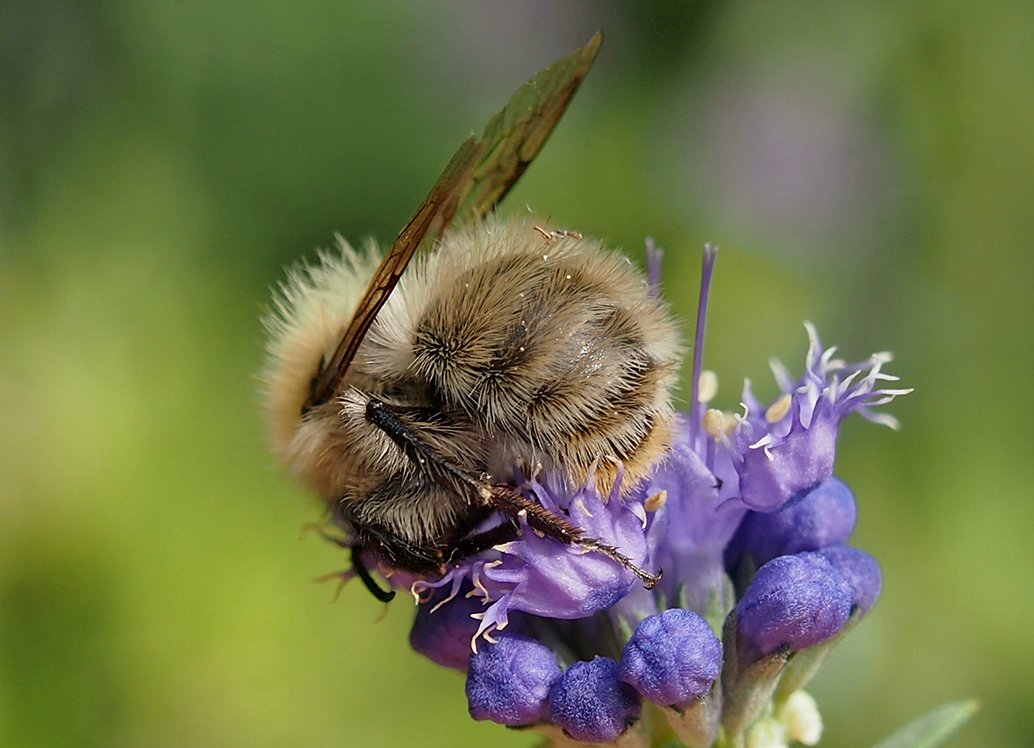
(477, 177)
(514, 137)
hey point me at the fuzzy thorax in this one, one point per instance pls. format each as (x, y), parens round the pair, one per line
(536, 349)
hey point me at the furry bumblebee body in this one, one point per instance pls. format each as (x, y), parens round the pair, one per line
(504, 348)
(409, 390)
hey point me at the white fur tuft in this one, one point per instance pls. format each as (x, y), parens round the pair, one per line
(310, 311)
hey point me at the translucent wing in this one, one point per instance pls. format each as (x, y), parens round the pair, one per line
(449, 184)
(479, 175)
(514, 136)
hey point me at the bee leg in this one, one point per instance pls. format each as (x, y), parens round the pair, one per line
(385, 596)
(554, 526)
(437, 467)
(358, 565)
(482, 541)
(444, 472)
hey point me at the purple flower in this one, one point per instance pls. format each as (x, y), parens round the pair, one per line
(756, 486)
(510, 682)
(591, 704)
(543, 577)
(672, 658)
(794, 602)
(790, 445)
(722, 465)
(689, 533)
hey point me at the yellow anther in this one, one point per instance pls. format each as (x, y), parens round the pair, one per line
(778, 410)
(656, 501)
(707, 386)
(718, 423)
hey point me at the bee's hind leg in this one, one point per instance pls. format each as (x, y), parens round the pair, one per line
(559, 528)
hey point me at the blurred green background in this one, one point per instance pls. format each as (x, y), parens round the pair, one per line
(865, 166)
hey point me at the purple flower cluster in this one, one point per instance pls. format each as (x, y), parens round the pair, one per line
(749, 524)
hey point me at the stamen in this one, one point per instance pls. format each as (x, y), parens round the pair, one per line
(890, 395)
(450, 598)
(782, 375)
(718, 424)
(707, 387)
(654, 255)
(619, 477)
(778, 410)
(639, 510)
(656, 501)
(482, 627)
(479, 585)
(881, 419)
(707, 270)
(762, 442)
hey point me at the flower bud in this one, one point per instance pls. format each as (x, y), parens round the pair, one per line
(862, 575)
(509, 682)
(591, 704)
(672, 659)
(860, 570)
(813, 519)
(794, 602)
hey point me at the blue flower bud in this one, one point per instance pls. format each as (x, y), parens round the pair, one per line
(591, 704)
(443, 628)
(794, 602)
(672, 658)
(816, 518)
(860, 570)
(509, 682)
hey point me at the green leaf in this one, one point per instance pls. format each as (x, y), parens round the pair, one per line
(932, 728)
